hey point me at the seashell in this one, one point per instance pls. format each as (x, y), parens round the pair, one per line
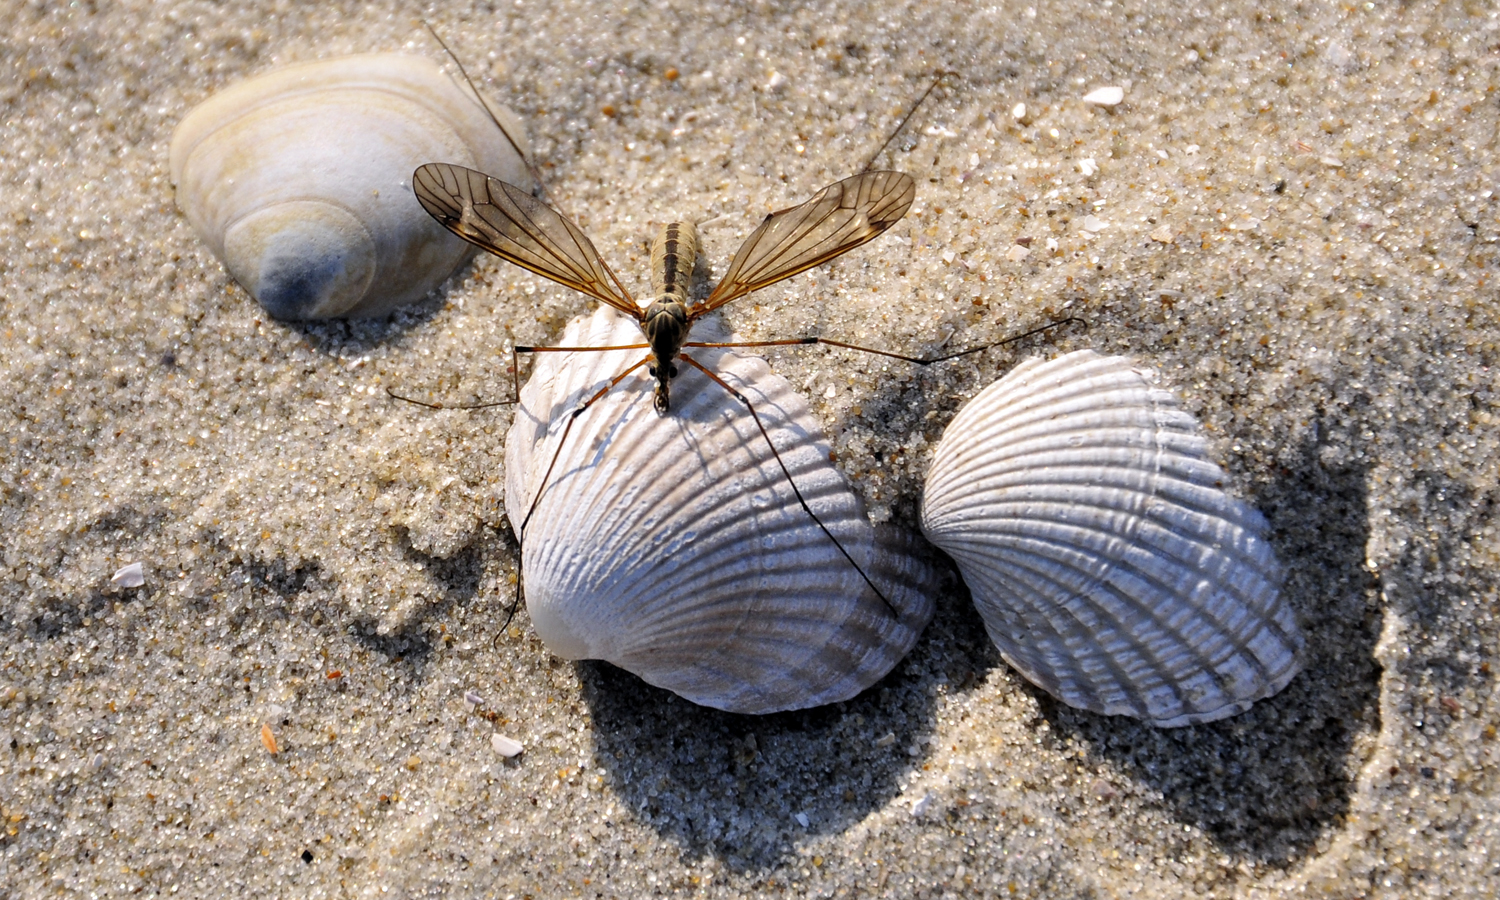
(300, 180)
(131, 576)
(1109, 566)
(673, 546)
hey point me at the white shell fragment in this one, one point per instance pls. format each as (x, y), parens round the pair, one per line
(300, 180)
(131, 576)
(1110, 567)
(1105, 96)
(505, 746)
(673, 546)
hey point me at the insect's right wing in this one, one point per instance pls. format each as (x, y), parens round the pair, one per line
(835, 220)
(518, 228)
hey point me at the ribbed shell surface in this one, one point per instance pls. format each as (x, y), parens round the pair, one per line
(673, 546)
(1111, 568)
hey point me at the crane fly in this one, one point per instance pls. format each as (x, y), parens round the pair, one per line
(512, 224)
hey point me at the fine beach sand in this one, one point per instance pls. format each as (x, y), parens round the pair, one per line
(1292, 216)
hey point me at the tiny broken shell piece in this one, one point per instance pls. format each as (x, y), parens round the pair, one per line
(299, 180)
(268, 739)
(1110, 567)
(674, 547)
(1105, 96)
(505, 746)
(131, 576)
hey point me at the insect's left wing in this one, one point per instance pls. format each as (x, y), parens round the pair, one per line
(837, 219)
(517, 227)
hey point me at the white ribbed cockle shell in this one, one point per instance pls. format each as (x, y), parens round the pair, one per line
(299, 180)
(673, 547)
(1110, 566)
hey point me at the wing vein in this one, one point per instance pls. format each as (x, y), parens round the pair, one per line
(510, 223)
(833, 221)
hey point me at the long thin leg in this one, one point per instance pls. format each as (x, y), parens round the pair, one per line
(921, 361)
(795, 490)
(572, 417)
(515, 603)
(515, 375)
(536, 176)
(914, 107)
(520, 595)
(515, 367)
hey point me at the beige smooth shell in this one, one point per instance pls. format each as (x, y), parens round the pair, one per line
(1109, 565)
(299, 180)
(673, 547)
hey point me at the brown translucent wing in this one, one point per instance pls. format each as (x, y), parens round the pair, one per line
(837, 219)
(518, 228)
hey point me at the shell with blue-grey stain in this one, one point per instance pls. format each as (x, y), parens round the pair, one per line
(673, 546)
(1110, 566)
(299, 180)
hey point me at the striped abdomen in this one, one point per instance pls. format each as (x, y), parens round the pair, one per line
(672, 258)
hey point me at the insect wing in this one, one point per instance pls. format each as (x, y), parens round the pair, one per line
(518, 228)
(837, 219)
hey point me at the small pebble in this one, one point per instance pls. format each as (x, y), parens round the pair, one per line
(505, 746)
(1017, 253)
(1105, 96)
(268, 739)
(1163, 234)
(1088, 167)
(1018, 112)
(777, 81)
(919, 808)
(802, 819)
(1094, 224)
(131, 576)
(889, 739)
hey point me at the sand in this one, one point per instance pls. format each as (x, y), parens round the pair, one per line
(1291, 215)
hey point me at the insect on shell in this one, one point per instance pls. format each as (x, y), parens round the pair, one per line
(673, 547)
(1110, 567)
(299, 180)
